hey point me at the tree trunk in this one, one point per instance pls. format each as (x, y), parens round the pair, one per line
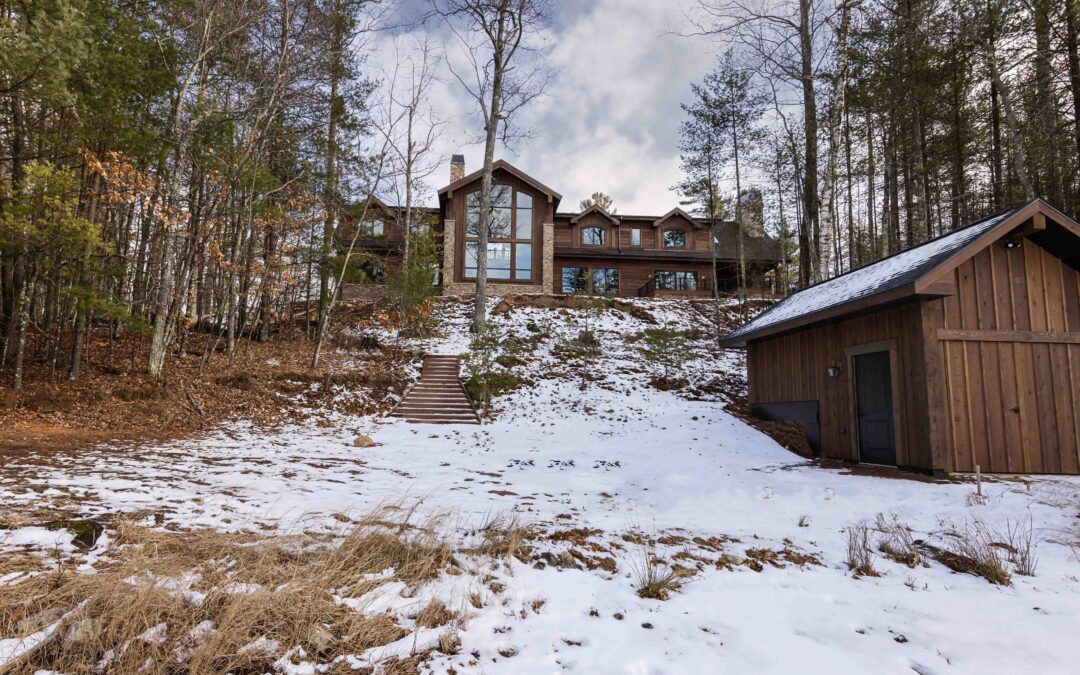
(810, 203)
(1045, 103)
(1071, 19)
(1018, 159)
(836, 116)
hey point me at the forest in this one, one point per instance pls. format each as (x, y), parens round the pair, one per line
(879, 125)
(177, 172)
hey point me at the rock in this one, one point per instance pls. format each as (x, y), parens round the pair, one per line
(647, 626)
(565, 559)
(321, 640)
(364, 442)
(540, 564)
(86, 531)
(728, 560)
(82, 630)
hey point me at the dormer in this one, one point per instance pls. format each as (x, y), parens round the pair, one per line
(676, 229)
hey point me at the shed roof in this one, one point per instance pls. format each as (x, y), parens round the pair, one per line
(902, 275)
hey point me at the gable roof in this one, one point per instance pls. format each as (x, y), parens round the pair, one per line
(914, 272)
(503, 165)
(677, 212)
(595, 209)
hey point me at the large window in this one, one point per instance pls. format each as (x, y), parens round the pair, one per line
(591, 281)
(675, 281)
(592, 236)
(674, 239)
(605, 281)
(575, 280)
(510, 233)
(372, 228)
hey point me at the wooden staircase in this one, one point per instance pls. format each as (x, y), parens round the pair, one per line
(438, 397)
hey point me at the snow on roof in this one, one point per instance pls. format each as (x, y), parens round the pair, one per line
(883, 275)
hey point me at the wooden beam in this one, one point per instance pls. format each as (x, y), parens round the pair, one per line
(1034, 336)
(940, 288)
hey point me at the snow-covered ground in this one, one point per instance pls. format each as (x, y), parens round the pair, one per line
(643, 472)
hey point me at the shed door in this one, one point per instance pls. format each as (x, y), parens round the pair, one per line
(873, 400)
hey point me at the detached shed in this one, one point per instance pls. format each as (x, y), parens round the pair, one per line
(961, 352)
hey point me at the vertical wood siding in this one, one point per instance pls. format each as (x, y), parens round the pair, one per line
(1013, 406)
(793, 368)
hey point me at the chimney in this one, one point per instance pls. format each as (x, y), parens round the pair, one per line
(457, 168)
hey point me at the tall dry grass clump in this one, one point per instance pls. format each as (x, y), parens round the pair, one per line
(653, 579)
(895, 540)
(974, 548)
(212, 602)
(860, 557)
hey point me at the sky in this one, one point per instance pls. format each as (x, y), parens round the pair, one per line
(610, 119)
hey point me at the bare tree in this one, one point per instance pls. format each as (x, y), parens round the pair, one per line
(411, 127)
(783, 39)
(495, 34)
(836, 114)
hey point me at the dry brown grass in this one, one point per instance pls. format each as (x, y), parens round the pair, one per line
(205, 601)
(860, 557)
(976, 549)
(654, 579)
(895, 540)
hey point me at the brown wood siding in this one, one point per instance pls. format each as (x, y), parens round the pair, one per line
(793, 367)
(541, 212)
(633, 274)
(1011, 361)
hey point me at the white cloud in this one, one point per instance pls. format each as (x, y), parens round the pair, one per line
(610, 121)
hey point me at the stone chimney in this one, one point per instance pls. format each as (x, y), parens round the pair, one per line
(457, 168)
(752, 212)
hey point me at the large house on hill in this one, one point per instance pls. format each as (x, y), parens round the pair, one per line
(535, 248)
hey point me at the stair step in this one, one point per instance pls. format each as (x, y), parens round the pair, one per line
(438, 396)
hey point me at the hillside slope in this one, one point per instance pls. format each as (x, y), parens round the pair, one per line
(585, 482)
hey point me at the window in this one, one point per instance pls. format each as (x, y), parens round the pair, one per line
(498, 260)
(605, 281)
(523, 261)
(635, 236)
(592, 236)
(575, 280)
(373, 228)
(675, 281)
(510, 233)
(598, 281)
(674, 239)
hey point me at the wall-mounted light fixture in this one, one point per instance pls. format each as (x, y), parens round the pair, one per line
(833, 370)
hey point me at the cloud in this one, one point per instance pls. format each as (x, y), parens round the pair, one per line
(610, 120)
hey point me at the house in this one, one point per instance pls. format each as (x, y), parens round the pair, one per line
(535, 248)
(963, 352)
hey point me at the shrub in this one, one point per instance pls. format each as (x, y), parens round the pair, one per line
(860, 558)
(411, 288)
(896, 541)
(974, 550)
(653, 579)
(665, 349)
(1023, 544)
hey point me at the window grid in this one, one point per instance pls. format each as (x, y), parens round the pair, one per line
(510, 235)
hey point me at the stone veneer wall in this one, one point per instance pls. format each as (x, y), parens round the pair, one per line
(547, 267)
(448, 247)
(547, 278)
